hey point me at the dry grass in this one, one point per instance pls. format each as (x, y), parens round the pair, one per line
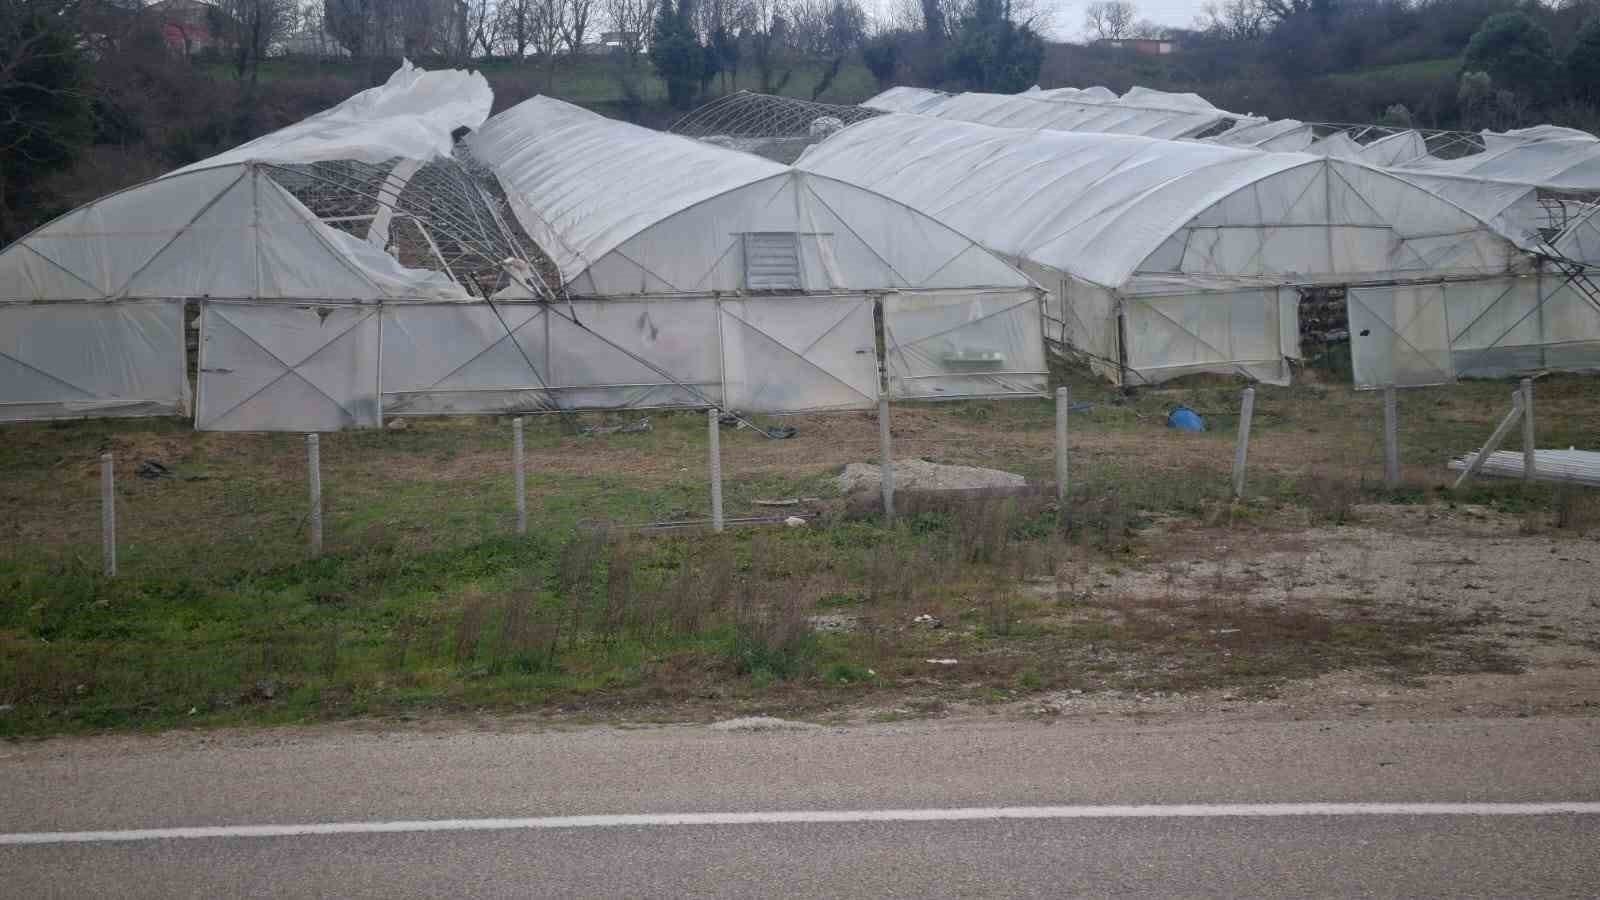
(424, 601)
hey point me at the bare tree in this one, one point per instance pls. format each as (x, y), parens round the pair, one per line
(482, 28)
(1234, 20)
(248, 28)
(1148, 30)
(898, 15)
(1109, 19)
(580, 15)
(549, 25)
(515, 26)
(630, 22)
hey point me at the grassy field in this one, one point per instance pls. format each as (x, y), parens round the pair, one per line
(425, 603)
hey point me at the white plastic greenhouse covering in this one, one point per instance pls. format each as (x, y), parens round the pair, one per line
(630, 213)
(91, 304)
(1170, 257)
(1141, 111)
(624, 210)
(307, 327)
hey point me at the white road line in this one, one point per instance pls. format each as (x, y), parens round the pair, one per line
(965, 814)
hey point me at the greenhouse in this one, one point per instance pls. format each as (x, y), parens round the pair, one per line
(92, 305)
(764, 277)
(365, 263)
(1172, 257)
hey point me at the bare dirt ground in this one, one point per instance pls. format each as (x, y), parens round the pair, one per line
(1532, 600)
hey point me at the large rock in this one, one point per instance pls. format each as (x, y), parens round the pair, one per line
(919, 475)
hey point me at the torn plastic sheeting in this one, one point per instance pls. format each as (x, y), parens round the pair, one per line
(69, 360)
(412, 115)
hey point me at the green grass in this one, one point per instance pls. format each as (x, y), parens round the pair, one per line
(426, 603)
(1446, 67)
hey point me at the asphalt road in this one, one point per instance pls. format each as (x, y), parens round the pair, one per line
(335, 777)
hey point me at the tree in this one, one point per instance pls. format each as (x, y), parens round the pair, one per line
(1109, 19)
(45, 105)
(247, 28)
(1515, 51)
(847, 27)
(579, 15)
(934, 22)
(1234, 20)
(727, 50)
(1583, 62)
(675, 51)
(1148, 30)
(549, 25)
(350, 22)
(882, 57)
(991, 53)
(630, 21)
(516, 26)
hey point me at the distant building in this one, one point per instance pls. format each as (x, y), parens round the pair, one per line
(186, 25)
(1150, 46)
(618, 40)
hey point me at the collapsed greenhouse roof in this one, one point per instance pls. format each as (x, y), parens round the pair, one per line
(626, 210)
(232, 226)
(363, 264)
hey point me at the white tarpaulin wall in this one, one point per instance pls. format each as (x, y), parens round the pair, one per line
(64, 360)
(275, 367)
(441, 359)
(949, 346)
(318, 368)
(1409, 335)
(780, 354)
(1249, 331)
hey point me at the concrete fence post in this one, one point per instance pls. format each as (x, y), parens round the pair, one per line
(521, 475)
(1063, 402)
(1391, 438)
(1241, 452)
(885, 458)
(108, 515)
(715, 439)
(1528, 444)
(314, 479)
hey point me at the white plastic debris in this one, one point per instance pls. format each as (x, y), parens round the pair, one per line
(942, 662)
(795, 522)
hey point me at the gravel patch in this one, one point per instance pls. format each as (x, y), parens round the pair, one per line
(920, 475)
(762, 723)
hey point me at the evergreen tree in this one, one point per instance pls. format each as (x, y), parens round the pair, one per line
(1515, 51)
(1583, 62)
(991, 53)
(46, 114)
(675, 51)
